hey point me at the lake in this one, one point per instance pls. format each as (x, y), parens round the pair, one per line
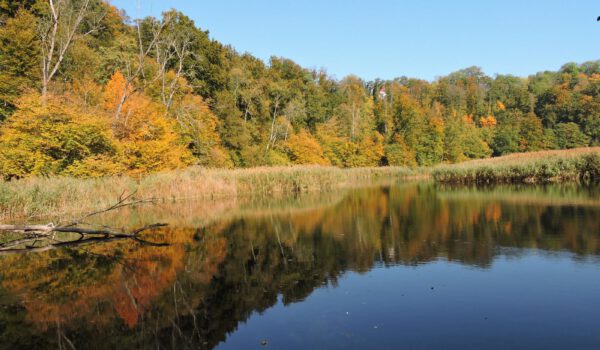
(406, 266)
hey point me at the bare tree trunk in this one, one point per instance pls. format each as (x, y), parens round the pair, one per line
(139, 70)
(54, 45)
(287, 127)
(352, 122)
(172, 46)
(272, 135)
(122, 101)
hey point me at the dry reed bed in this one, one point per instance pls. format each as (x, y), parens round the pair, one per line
(60, 196)
(581, 164)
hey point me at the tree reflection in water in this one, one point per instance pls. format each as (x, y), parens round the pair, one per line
(195, 291)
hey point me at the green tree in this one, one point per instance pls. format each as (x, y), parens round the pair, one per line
(531, 133)
(19, 59)
(569, 135)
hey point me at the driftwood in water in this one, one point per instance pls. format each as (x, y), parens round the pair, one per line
(32, 234)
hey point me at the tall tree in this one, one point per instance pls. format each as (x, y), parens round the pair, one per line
(19, 65)
(60, 27)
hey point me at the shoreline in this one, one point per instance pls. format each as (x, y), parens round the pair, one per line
(577, 165)
(63, 196)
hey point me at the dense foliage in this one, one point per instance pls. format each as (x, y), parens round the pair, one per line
(84, 90)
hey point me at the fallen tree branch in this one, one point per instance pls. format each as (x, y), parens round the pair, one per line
(27, 228)
(123, 201)
(87, 235)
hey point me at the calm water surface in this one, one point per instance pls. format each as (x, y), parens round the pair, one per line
(412, 266)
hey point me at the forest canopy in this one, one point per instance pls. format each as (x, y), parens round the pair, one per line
(87, 91)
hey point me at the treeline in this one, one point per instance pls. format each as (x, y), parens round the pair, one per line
(87, 91)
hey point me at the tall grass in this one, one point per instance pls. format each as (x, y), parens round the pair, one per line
(64, 196)
(58, 196)
(582, 164)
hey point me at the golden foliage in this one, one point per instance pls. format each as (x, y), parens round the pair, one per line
(304, 149)
(148, 139)
(114, 90)
(399, 154)
(54, 136)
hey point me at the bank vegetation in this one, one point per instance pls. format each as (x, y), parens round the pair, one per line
(54, 196)
(575, 165)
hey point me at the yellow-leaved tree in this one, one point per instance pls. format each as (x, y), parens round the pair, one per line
(336, 148)
(397, 153)
(55, 137)
(303, 148)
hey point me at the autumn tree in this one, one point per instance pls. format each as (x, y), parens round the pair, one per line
(198, 127)
(303, 148)
(173, 49)
(147, 135)
(55, 137)
(356, 109)
(531, 133)
(463, 140)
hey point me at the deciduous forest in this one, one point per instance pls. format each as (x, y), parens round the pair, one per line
(87, 91)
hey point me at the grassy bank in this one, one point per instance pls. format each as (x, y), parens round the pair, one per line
(582, 164)
(58, 196)
(64, 196)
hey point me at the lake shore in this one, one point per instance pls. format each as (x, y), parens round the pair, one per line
(574, 165)
(63, 196)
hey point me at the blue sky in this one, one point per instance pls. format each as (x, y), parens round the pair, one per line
(387, 38)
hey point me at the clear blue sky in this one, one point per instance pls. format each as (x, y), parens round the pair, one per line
(387, 38)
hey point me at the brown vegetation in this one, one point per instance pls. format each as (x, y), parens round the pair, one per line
(581, 164)
(57, 196)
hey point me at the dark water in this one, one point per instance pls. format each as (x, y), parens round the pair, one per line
(402, 267)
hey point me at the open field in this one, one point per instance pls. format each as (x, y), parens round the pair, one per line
(60, 196)
(581, 164)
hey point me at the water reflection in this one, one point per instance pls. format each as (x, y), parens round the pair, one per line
(230, 262)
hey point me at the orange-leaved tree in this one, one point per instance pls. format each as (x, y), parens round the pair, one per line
(147, 136)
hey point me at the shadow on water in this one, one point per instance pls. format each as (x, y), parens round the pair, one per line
(228, 261)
